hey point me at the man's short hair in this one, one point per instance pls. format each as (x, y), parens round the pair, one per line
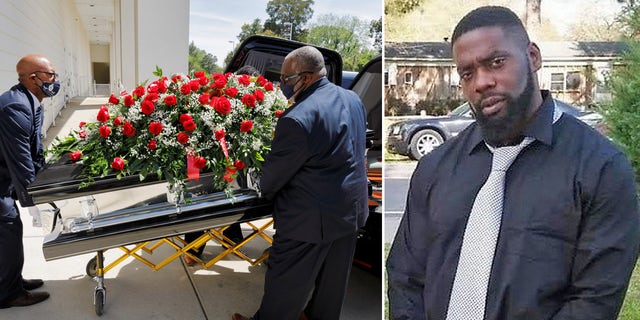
(492, 16)
(308, 58)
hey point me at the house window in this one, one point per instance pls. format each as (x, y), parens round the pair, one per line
(557, 82)
(573, 80)
(408, 77)
(569, 81)
(386, 78)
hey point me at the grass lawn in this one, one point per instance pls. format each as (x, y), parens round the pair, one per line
(631, 307)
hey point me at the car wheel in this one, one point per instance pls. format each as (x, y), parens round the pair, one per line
(423, 142)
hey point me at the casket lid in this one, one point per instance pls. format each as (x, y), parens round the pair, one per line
(267, 55)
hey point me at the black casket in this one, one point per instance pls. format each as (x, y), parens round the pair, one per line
(154, 218)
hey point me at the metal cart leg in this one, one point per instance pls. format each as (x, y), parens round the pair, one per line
(100, 293)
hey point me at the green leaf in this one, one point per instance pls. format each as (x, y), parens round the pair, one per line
(158, 72)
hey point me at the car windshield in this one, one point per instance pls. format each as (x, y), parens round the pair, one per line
(461, 110)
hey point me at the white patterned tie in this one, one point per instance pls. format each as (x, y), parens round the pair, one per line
(469, 293)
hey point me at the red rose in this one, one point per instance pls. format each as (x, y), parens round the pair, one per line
(199, 74)
(113, 99)
(268, 86)
(246, 126)
(185, 117)
(194, 84)
(189, 125)
(228, 177)
(82, 134)
(231, 169)
(118, 121)
(128, 101)
(105, 131)
(183, 138)
(155, 128)
(219, 134)
(231, 92)
(103, 115)
(244, 79)
(152, 96)
(239, 164)
(117, 164)
(152, 87)
(128, 129)
(162, 87)
(176, 78)
(222, 105)
(147, 107)
(138, 92)
(219, 81)
(249, 100)
(75, 155)
(170, 100)
(185, 89)
(200, 162)
(262, 81)
(279, 113)
(152, 145)
(203, 80)
(203, 98)
(259, 95)
(82, 124)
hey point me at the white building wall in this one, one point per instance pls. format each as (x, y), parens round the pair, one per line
(50, 28)
(99, 53)
(151, 33)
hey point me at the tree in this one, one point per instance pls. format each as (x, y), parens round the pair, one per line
(200, 60)
(593, 26)
(375, 32)
(294, 12)
(400, 7)
(532, 14)
(622, 115)
(630, 19)
(346, 34)
(249, 29)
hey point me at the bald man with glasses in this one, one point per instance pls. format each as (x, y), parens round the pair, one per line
(21, 157)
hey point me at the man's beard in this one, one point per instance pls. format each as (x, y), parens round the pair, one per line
(502, 130)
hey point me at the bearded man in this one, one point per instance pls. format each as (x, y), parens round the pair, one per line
(528, 213)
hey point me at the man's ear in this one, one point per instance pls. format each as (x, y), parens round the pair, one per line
(535, 57)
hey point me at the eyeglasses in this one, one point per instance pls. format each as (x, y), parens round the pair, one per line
(50, 74)
(293, 76)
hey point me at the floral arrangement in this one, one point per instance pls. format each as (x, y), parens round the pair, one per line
(178, 127)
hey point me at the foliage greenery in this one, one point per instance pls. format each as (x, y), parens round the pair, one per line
(199, 59)
(622, 116)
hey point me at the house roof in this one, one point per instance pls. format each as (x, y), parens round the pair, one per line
(550, 49)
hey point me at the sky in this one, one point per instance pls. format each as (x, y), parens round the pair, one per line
(563, 13)
(214, 25)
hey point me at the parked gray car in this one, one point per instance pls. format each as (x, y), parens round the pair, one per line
(416, 137)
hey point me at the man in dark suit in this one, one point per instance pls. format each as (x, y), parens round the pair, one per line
(20, 158)
(315, 174)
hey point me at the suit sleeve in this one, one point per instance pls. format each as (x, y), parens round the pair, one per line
(289, 152)
(607, 249)
(407, 258)
(15, 130)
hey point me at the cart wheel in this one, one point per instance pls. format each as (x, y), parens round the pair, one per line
(92, 267)
(99, 298)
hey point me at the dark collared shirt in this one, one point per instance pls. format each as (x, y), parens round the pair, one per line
(569, 236)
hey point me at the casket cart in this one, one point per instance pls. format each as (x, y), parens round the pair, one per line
(145, 225)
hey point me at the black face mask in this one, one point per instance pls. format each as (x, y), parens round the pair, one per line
(49, 89)
(289, 89)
